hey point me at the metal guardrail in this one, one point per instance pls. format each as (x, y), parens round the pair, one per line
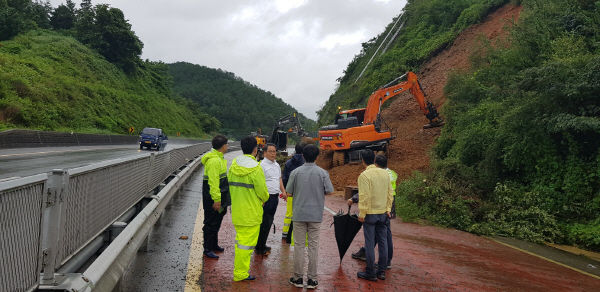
(21, 207)
(46, 219)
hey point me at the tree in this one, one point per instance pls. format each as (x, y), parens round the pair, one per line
(10, 23)
(84, 24)
(115, 40)
(18, 16)
(39, 13)
(63, 17)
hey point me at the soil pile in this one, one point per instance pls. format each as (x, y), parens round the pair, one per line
(409, 152)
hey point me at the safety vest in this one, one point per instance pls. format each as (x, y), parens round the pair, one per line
(393, 178)
(248, 190)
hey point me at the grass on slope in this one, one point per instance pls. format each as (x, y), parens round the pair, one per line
(52, 82)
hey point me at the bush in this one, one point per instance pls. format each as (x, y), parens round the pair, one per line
(584, 235)
(520, 153)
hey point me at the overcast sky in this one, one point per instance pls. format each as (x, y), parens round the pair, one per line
(295, 49)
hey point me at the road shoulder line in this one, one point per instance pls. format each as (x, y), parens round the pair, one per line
(196, 258)
(542, 257)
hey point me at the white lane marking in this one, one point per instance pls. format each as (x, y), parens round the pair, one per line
(55, 151)
(9, 178)
(196, 257)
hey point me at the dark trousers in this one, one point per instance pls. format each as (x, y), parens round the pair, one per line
(390, 245)
(375, 229)
(268, 214)
(212, 220)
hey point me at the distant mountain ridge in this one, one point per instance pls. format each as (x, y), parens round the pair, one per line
(240, 106)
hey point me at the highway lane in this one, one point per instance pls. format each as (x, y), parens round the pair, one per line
(21, 162)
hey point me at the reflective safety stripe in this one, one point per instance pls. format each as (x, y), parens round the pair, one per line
(239, 184)
(222, 175)
(241, 246)
(286, 217)
(286, 224)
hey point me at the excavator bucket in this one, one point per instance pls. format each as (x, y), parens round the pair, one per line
(434, 124)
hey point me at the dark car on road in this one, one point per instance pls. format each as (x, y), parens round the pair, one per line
(153, 138)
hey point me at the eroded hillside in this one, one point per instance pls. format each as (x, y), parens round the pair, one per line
(409, 151)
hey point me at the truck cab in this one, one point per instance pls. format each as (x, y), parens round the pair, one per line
(153, 138)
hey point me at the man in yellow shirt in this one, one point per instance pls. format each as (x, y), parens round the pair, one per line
(374, 205)
(381, 162)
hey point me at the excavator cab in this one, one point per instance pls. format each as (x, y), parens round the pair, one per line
(350, 118)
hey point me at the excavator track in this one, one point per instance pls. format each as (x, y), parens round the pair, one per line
(338, 158)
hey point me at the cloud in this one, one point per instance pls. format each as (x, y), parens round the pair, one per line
(295, 49)
(284, 6)
(334, 40)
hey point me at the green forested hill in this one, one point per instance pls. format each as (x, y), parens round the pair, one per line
(50, 81)
(519, 155)
(240, 106)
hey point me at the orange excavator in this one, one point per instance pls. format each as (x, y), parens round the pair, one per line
(364, 128)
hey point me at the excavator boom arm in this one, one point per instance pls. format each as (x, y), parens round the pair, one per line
(380, 96)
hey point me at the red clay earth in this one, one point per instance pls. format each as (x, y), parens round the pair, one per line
(426, 258)
(409, 151)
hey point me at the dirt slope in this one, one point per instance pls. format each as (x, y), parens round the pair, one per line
(409, 151)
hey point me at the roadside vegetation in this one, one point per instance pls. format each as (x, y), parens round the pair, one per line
(519, 155)
(49, 81)
(79, 69)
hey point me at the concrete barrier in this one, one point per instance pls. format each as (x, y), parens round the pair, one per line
(32, 138)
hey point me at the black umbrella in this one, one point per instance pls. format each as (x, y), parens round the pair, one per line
(346, 227)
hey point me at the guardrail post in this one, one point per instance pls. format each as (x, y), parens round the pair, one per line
(150, 171)
(54, 192)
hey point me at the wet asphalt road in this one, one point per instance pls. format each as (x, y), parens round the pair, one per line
(427, 258)
(23, 162)
(163, 265)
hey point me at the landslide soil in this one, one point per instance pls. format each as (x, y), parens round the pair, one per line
(409, 152)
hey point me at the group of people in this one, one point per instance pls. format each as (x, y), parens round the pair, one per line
(252, 190)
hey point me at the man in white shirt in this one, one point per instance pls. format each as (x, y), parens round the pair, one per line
(275, 187)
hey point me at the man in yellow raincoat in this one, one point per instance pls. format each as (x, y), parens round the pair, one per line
(248, 190)
(215, 195)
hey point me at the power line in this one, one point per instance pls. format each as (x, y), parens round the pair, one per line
(375, 54)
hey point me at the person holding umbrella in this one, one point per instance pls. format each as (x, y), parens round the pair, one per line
(374, 205)
(308, 185)
(381, 162)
